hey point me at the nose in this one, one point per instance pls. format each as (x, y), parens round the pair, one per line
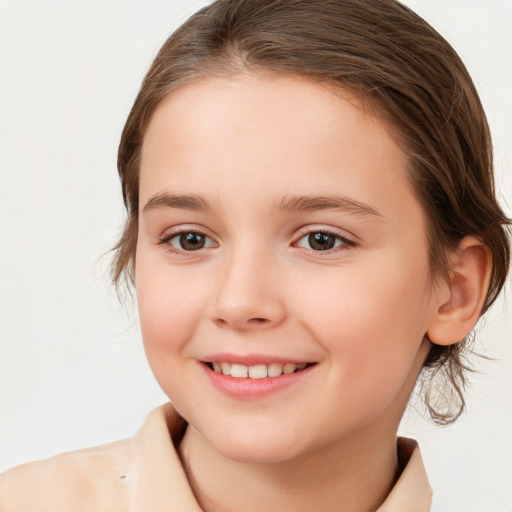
(249, 294)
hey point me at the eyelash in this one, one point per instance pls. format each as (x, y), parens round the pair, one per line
(345, 242)
(167, 237)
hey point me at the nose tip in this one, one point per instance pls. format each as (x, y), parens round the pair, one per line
(257, 314)
(240, 320)
(247, 299)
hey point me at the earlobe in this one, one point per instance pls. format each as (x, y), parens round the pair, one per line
(466, 289)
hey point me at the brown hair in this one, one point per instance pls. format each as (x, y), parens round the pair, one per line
(404, 70)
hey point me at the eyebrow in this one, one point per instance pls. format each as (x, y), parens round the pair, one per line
(312, 203)
(286, 204)
(183, 202)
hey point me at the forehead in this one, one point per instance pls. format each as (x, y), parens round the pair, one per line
(249, 105)
(280, 135)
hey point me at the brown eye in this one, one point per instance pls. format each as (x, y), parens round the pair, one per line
(190, 241)
(321, 241)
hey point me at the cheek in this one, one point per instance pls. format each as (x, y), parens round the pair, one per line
(170, 309)
(371, 324)
(389, 298)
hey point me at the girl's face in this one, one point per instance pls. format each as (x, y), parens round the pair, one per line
(277, 226)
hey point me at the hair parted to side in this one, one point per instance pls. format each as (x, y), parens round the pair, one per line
(403, 70)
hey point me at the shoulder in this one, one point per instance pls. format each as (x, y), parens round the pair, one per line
(83, 480)
(140, 473)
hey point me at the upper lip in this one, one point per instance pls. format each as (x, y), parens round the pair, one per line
(251, 359)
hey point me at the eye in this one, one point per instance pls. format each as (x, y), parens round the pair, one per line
(188, 241)
(323, 241)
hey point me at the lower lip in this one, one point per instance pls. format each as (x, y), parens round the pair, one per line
(254, 388)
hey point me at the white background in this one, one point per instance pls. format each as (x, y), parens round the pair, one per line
(72, 368)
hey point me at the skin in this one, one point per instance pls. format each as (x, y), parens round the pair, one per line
(360, 311)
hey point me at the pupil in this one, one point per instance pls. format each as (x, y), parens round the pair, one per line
(192, 241)
(321, 241)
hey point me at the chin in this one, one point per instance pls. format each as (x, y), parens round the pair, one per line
(249, 448)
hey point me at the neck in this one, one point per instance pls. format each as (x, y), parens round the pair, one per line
(354, 475)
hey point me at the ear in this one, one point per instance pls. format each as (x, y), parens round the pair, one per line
(461, 297)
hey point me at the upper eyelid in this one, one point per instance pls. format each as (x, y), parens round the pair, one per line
(342, 233)
(346, 241)
(178, 230)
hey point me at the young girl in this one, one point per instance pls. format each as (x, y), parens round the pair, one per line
(311, 226)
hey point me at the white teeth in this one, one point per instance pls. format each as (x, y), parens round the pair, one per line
(275, 369)
(258, 371)
(239, 370)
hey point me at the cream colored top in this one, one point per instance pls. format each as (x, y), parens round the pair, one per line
(144, 474)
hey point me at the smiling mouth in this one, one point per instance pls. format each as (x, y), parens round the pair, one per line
(257, 371)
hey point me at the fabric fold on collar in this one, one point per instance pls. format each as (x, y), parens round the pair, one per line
(158, 481)
(412, 492)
